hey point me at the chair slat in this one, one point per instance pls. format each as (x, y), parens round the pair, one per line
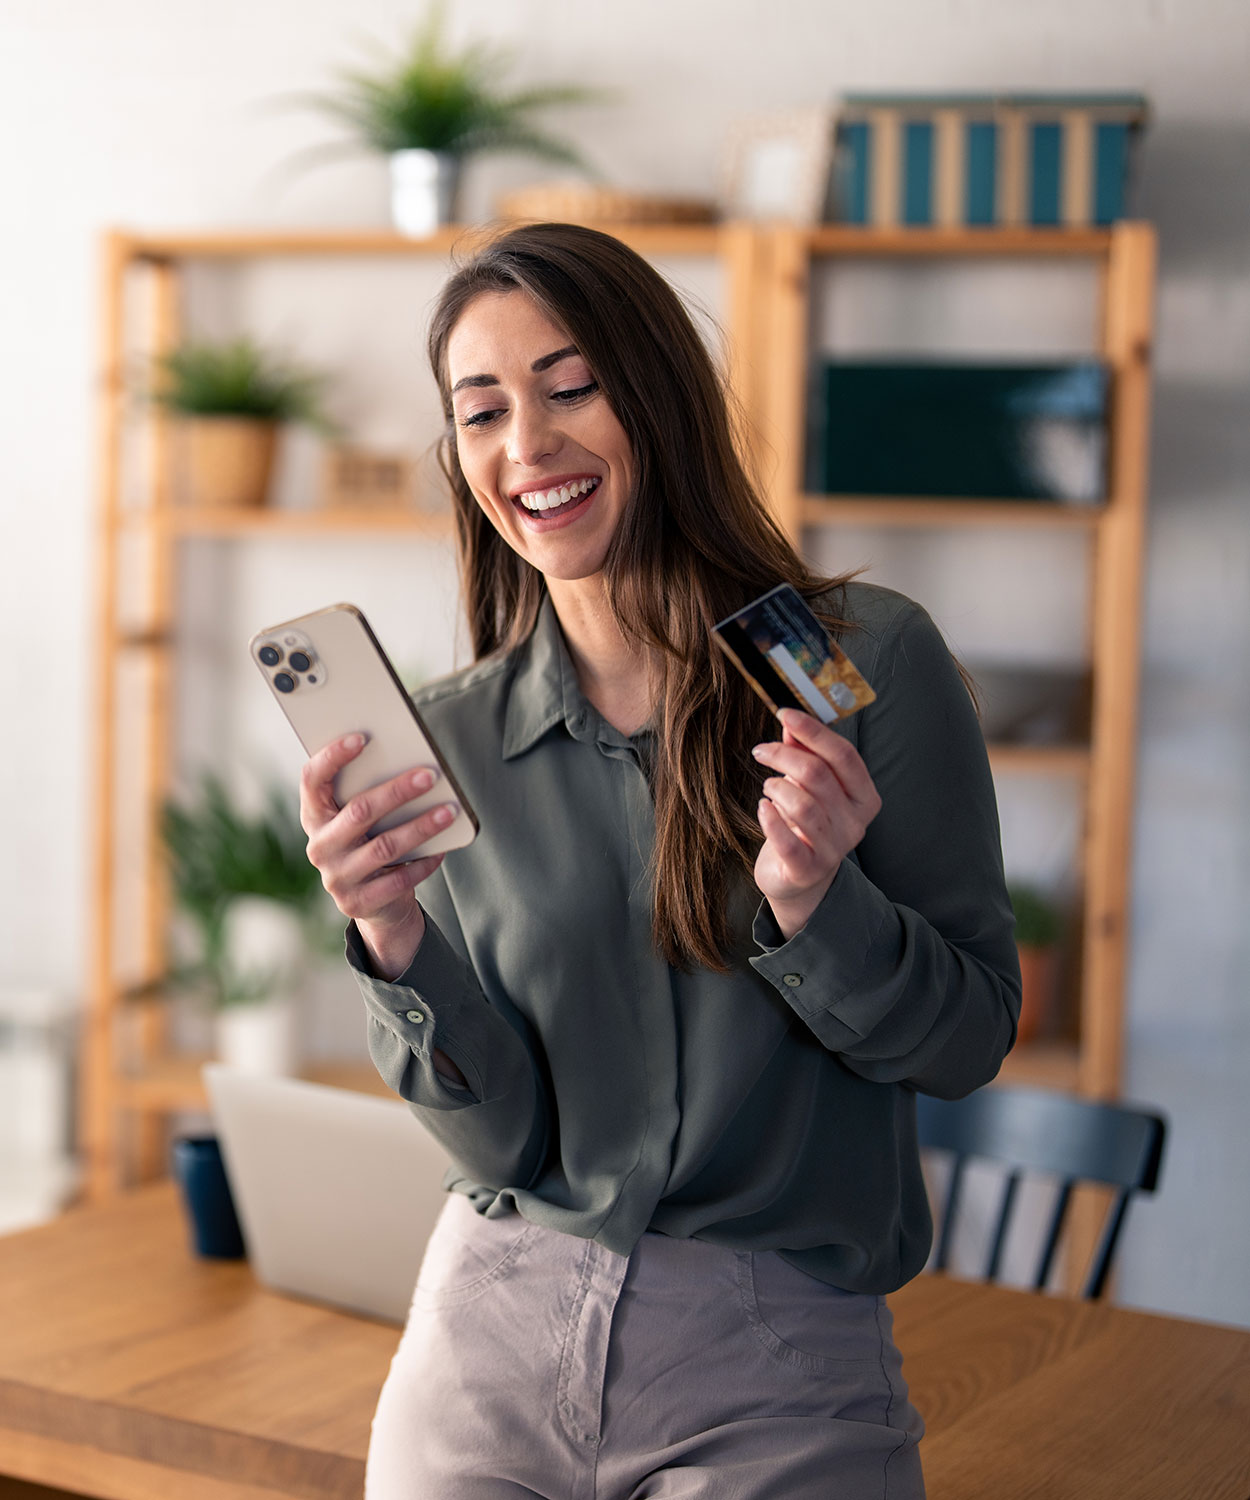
(1010, 1188)
(946, 1233)
(1101, 1267)
(1053, 1231)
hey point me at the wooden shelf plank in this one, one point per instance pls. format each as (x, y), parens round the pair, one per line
(653, 239)
(171, 1083)
(188, 521)
(888, 510)
(1046, 760)
(854, 239)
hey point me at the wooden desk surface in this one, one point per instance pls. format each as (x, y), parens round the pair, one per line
(131, 1370)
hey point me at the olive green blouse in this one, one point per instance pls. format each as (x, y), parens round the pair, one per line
(768, 1108)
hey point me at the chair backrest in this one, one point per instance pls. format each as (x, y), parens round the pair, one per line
(1032, 1130)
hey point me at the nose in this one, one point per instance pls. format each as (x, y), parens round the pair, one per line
(533, 435)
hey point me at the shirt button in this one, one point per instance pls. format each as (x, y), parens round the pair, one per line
(415, 1017)
(793, 980)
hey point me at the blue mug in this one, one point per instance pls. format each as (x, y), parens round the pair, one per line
(201, 1174)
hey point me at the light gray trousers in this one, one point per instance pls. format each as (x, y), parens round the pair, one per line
(539, 1364)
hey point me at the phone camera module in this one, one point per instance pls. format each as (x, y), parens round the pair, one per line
(270, 655)
(299, 661)
(285, 683)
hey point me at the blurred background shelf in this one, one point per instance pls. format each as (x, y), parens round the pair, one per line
(189, 521)
(996, 240)
(902, 510)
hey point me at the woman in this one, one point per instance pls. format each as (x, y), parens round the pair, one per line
(669, 1012)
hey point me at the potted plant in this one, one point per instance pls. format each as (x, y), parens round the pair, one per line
(1038, 928)
(232, 398)
(258, 910)
(428, 107)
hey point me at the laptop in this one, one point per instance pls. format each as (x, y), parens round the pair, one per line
(336, 1191)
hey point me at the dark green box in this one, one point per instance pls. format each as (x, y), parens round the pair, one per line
(968, 431)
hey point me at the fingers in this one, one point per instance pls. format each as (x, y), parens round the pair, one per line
(360, 902)
(363, 861)
(799, 860)
(814, 811)
(317, 803)
(823, 763)
(352, 824)
(367, 875)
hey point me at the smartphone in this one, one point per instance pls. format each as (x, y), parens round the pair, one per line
(330, 677)
(790, 659)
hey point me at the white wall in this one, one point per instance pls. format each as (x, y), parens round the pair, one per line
(159, 115)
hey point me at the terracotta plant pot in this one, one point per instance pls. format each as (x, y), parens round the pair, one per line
(1039, 971)
(228, 461)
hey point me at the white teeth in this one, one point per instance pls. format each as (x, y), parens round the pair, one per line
(539, 500)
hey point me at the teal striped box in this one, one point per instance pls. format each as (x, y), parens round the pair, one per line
(1057, 160)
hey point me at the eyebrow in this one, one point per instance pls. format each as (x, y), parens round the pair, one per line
(539, 365)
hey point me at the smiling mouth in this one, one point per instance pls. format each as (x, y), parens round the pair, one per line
(539, 505)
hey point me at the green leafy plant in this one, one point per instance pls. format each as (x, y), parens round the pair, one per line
(237, 378)
(1038, 920)
(432, 98)
(218, 853)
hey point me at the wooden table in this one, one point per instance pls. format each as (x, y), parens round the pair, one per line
(133, 1371)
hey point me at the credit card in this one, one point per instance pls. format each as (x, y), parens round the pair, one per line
(788, 657)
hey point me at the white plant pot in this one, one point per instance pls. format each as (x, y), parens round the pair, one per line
(258, 1038)
(265, 949)
(423, 191)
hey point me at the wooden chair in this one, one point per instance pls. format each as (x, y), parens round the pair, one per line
(1031, 1130)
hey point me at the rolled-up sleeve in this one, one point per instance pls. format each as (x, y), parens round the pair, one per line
(908, 968)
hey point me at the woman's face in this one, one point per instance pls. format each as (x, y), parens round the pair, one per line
(538, 443)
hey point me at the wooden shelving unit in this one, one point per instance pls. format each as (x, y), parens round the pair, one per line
(1124, 256)
(130, 1082)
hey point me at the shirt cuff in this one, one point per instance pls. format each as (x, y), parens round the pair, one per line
(423, 1004)
(822, 970)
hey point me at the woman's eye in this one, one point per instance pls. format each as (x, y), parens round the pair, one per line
(479, 418)
(577, 393)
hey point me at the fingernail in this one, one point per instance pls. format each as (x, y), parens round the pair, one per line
(443, 816)
(759, 751)
(353, 741)
(423, 780)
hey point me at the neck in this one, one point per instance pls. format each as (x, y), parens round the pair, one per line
(613, 673)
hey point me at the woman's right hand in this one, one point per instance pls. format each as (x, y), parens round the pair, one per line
(354, 867)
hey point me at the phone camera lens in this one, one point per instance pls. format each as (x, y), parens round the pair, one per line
(285, 683)
(299, 661)
(270, 655)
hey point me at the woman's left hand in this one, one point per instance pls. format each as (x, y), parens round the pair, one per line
(813, 813)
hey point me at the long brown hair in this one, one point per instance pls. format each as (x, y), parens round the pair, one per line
(694, 545)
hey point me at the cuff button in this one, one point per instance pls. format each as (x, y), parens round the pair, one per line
(793, 980)
(415, 1017)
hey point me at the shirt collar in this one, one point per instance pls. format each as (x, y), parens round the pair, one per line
(544, 692)
(539, 691)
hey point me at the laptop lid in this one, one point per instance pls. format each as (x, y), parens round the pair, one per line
(337, 1192)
